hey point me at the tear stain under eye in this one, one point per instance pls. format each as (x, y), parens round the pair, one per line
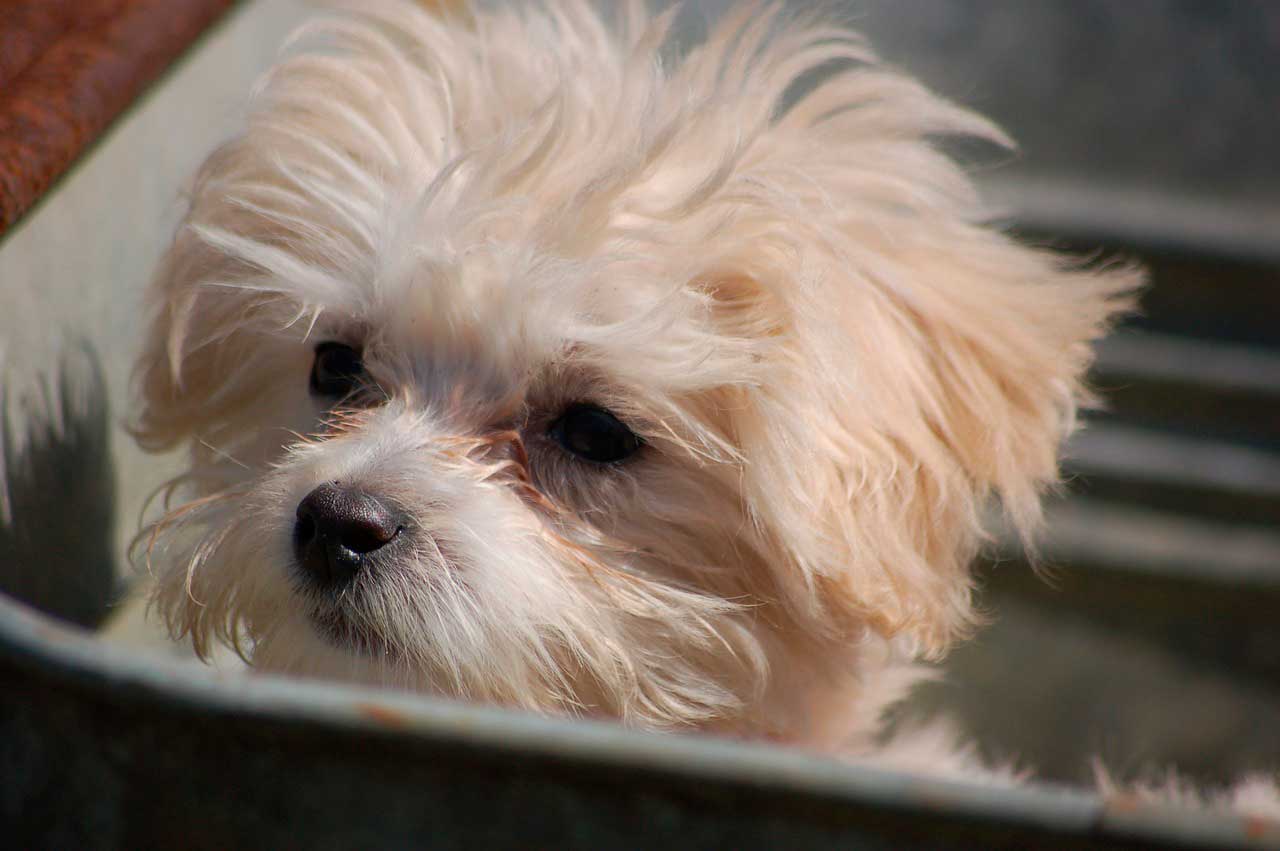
(516, 468)
(341, 421)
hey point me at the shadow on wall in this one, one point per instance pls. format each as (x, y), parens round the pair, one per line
(57, 490)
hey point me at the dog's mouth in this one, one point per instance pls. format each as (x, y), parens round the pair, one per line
(342, 632)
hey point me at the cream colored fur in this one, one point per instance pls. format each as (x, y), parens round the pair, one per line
(793, 297)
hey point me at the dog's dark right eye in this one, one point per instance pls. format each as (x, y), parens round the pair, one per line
(594, 434)
(337, 371)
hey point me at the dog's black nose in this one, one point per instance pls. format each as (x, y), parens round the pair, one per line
(338, 527)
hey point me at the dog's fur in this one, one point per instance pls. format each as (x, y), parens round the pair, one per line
(754, 254)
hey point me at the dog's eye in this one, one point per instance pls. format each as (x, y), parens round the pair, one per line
(593, 434)
(337, 372)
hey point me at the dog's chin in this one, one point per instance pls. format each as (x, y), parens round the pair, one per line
(327, 616)
(303, 627)
(337, 629)
(326, 645)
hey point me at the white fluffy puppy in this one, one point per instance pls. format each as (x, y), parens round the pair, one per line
(525, 361)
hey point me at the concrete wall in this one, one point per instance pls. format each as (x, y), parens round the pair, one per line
(77, 265)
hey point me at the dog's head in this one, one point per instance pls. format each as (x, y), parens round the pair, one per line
(523, 362)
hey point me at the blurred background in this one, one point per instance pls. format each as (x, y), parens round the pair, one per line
(1148, 129)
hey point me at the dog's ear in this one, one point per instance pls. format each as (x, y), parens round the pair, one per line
(925, 361)
(941, 369)
(215, 353)
(198, 367)
(177, 369)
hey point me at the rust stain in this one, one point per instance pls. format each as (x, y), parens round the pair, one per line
(382, 716)
(1122, 802)
(68, 68)
(1256, 828)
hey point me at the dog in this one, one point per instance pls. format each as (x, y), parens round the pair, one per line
(524, 359)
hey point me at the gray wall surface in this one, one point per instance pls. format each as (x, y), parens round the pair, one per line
(77, 265)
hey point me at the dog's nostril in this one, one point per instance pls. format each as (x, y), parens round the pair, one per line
(337, 527)
(368, 534)
(304, 531)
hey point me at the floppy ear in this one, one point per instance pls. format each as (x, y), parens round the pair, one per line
(906, 392)
(1007, 333)
(220, 357)
(277, 226)
(280, 220)
(214, 350)
(179, 369)
(924, 362)
(904, 398)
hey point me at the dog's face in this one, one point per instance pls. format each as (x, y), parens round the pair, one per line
(519, 365)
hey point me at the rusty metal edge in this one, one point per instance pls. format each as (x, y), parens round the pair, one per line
(64, 102)
(70, 660)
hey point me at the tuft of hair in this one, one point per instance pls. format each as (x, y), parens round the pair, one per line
(1254, 795)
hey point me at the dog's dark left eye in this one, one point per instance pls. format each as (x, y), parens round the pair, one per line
(337, 372)
(594, 434)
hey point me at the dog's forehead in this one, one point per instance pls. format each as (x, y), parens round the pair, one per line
(510, 306)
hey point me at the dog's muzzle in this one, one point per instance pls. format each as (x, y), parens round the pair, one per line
(337, 531)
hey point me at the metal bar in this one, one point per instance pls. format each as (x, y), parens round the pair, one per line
(116, 749)
(92, 62)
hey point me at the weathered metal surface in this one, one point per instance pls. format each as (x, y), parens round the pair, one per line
(1144, 122)
(69, 68)
(105, 749)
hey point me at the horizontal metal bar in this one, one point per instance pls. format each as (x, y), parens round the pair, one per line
(1125, 537)
(136, 746)
(1089, 209)
(1161, 458)
(1169, 358)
